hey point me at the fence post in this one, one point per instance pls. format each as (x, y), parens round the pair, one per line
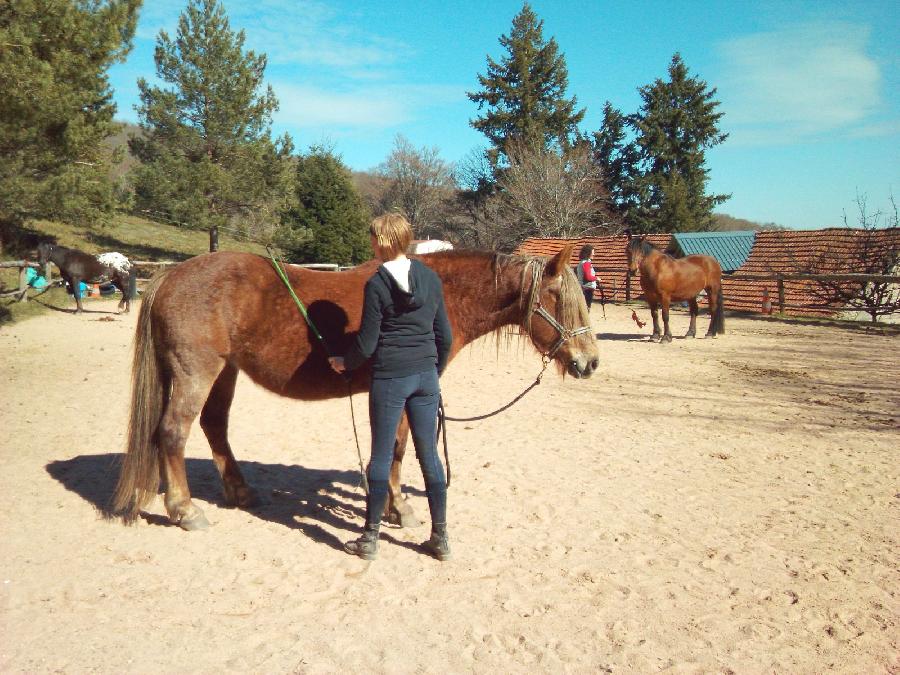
(23, 284)
(780, 295)
(213, 239)
(627, 287)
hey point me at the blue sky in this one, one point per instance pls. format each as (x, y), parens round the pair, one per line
(810, 90)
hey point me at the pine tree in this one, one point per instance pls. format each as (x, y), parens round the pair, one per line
(675, 125)
(329, 223)
(525, 93)
(56, 105)
(617, 159)
(207, 153)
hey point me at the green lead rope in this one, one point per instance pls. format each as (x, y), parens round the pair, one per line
(297, 300)
(281, 273)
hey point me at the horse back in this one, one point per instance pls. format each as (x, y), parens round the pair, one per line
(679, 278)
(234, 307)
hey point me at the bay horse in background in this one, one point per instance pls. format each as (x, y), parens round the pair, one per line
(665, 279)
(76, 266)
(201, 322)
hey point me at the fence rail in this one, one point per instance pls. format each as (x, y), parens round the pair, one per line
(778, 277)
(23, 265)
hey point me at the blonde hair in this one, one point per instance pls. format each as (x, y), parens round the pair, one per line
(392, 233)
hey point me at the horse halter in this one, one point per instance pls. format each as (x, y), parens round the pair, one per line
(565, 334)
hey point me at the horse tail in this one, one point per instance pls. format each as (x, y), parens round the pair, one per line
(719, 319)
(139, 476)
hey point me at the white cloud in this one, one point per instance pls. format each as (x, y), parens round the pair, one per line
(304, 32)
(310, 33)
(799, 82)
(381, 107)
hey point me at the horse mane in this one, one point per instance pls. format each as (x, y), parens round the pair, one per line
(639, 244)
(569, 311)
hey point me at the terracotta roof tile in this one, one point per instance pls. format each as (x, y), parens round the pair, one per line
(832, 250)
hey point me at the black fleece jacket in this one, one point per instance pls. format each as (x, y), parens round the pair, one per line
(408, 332)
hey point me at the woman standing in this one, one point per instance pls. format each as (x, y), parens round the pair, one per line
(406, 331)
(586, 275)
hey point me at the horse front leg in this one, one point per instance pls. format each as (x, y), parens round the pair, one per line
(74, 283)
(667, 333)
(692, 331)
(654, 313)
(214, 422)
(398, 511)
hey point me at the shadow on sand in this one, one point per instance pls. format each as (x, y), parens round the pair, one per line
(294, 496)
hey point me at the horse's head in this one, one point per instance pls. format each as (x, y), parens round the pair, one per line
(635, 250)
(556, 316)
(44, 249)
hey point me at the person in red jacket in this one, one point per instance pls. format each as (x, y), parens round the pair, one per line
(586, 275)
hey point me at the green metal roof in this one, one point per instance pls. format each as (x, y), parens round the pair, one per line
(731, 249)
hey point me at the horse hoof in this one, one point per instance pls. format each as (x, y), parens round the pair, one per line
(197, 522)
(665, 339)
(402, 518)
(243, 497)
(409, 520)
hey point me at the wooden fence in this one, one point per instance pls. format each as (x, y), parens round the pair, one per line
(613, 273)
(778, 278)
(23, 265)
(149, 265)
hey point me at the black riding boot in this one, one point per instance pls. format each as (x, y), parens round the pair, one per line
(366, 547)
(438, 545)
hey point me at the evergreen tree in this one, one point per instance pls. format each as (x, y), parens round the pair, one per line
(207, 153)
(617, 159)
(675, 125)
(525, 93)
(56, 105)
(330, 222)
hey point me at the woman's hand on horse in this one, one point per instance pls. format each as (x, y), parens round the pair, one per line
(337, 364)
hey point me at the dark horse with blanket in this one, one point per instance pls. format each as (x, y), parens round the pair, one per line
(76, 266)
(202, 322)
(665, 279)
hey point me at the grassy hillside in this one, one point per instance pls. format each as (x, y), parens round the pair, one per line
(135, 238)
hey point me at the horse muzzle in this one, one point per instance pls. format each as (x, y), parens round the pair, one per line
(582, 367)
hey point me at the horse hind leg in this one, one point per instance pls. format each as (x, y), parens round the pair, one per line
(181, 410)
(214, 422)
(695, 310)
(715, 298)
(398, 511)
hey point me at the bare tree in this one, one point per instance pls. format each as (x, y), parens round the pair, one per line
(873, 248)
(558, 192)
(482, 217)
(418, 183)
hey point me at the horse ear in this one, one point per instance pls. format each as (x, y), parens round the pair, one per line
(560, 261)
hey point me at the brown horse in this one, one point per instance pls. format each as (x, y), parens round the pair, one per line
(199, 325)
(665, 279)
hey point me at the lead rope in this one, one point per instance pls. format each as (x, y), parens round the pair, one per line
(363, 481)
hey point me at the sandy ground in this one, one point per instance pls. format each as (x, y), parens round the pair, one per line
(705, 506)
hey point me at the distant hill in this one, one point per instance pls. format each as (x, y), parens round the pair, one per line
(726, 223)
(120, 140)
